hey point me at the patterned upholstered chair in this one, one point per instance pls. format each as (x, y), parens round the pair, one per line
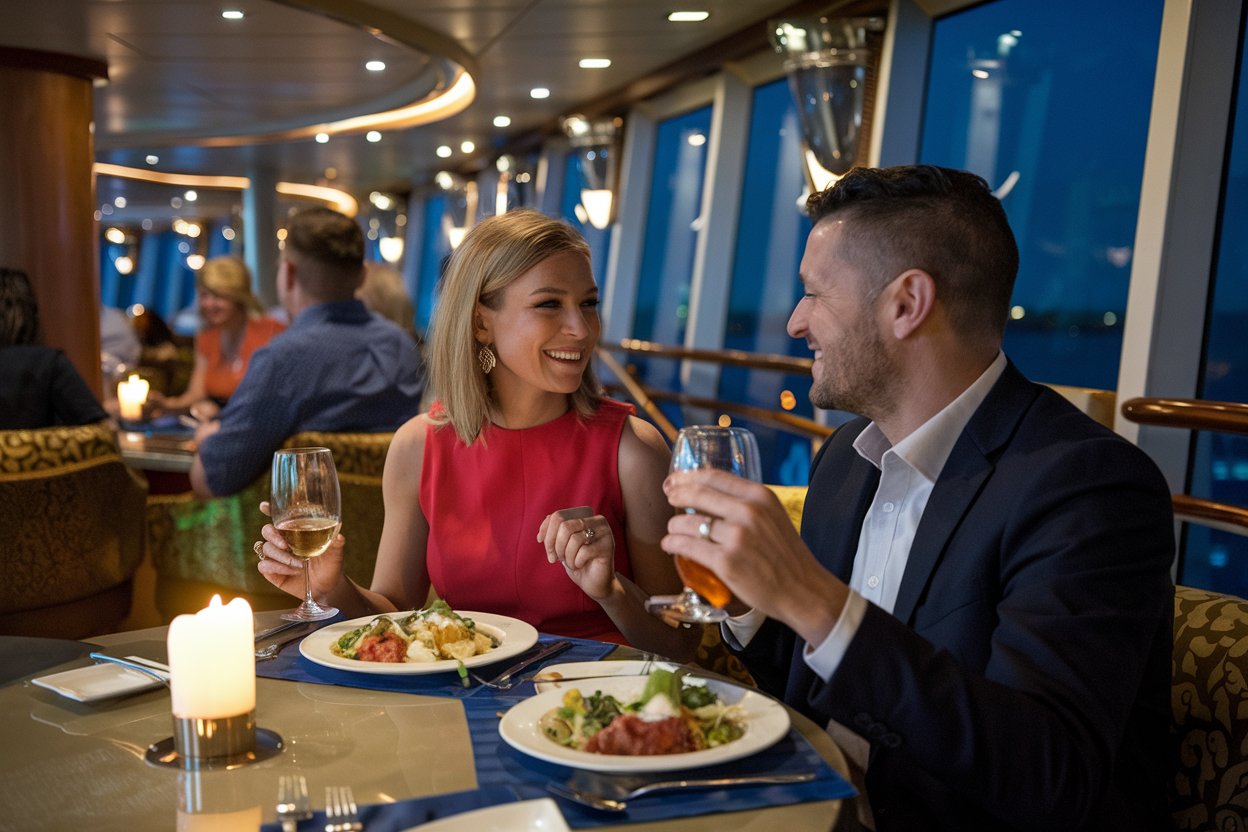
(73, 521)
(203, 547)
(1209, 698)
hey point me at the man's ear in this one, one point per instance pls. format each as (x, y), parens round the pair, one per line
(912, 297)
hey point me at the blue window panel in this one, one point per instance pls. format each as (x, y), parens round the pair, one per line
(771, 238)
(435, 248)
(599, 240)
(1020, 96)
(1213, 559)
(662, 306)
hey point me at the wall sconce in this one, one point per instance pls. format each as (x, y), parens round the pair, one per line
(597, 146)
(827, 60)
(461, 206)
(515, 184)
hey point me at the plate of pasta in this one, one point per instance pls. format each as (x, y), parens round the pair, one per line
(433, 640)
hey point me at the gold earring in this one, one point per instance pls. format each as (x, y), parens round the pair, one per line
(485, 357)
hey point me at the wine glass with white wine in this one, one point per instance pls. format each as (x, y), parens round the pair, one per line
(731, 449)
(306, 509)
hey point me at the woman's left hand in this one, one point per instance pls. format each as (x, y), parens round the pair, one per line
(585, 547)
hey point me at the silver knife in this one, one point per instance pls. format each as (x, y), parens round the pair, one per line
(554, 648)
(280, 628)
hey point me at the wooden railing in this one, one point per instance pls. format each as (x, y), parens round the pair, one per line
(1197, 414)
(647, 397)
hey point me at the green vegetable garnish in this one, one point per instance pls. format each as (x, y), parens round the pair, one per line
(462, 670)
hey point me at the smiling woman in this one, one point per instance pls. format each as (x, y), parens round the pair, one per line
(477, 490)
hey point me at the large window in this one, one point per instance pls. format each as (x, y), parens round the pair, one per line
(662, 310)
(599, 239)
(770, 240)
(1213, 559)
(1022, 94)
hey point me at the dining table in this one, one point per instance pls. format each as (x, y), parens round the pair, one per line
(411, 748)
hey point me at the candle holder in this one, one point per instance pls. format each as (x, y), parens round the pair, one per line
(225, 743)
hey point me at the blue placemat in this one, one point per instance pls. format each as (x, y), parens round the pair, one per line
(292, 666)
(395, 817)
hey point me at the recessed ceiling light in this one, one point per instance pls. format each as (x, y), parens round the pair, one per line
(151, 160)
(375, 66)
(502, 121)
(467, 147)
(373, 136)
(190, 196)
(322, 138)
(444, 151)
(595, 63)
(232, 14)
(688, 16)
(697, 139)
(120, 202)
(539, 92)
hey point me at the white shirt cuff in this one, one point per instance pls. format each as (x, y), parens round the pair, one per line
(825, 658)
(739, 630)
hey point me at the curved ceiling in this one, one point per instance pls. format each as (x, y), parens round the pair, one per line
(207, 95)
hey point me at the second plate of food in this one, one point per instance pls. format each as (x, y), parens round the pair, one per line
(763, 719)
(514, 637)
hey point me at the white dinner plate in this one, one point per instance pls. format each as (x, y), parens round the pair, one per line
(766, 721)
(532, 815)
(97, 681)
(514, 635)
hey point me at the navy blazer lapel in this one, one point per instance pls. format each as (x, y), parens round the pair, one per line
(968, 466)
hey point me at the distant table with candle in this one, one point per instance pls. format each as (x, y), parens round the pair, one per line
(67, 765)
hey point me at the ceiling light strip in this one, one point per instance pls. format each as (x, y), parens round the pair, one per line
(334, 198)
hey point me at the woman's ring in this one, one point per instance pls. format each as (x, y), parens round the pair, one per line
(258, 548)
(704, 529)
(589, 533)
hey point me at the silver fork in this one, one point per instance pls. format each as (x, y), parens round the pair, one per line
(341, 813)
(293, 803)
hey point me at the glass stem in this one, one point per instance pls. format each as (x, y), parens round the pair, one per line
(307, 584)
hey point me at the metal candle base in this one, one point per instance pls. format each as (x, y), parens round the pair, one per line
(229, 742)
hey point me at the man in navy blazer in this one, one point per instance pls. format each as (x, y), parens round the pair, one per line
(980, 601)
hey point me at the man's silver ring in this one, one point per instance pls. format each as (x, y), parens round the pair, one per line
(589, 533)
(258, 548)
(704, 529)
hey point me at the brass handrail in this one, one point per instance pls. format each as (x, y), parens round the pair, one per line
(1196, 414)
(737, 358)
(638, 393)
(781, 419)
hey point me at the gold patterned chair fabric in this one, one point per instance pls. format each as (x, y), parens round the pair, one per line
(73, 519)
(1209, 699)
(202, 547)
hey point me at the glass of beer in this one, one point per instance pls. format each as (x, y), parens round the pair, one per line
(306, 509)
(702, 446)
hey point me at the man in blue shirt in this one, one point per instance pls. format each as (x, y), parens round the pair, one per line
(338, 367)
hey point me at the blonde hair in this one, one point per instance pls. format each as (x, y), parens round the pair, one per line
(384, 293)
(491, 257)
(229, 278)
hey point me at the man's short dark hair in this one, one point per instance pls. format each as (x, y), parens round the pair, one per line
(946, 222)
(330, 247)
(19, 312)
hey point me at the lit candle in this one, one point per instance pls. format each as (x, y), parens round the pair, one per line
(212, 663)
(131, 395)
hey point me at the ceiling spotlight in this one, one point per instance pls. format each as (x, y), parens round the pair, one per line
(444, 151)
(115, 236)
(467, 147)
(502, 121)
(595, 63)
(152, 159)
(322, 138)
(539, 92)
(120, 202)
(688, 16)
(190, 196)
(232, 14)
(194, 262)
(375, 66)
(373, 136)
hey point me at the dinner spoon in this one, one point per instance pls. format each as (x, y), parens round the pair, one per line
(622, 794)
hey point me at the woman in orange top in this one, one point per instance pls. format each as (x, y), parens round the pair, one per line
(233, 329)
